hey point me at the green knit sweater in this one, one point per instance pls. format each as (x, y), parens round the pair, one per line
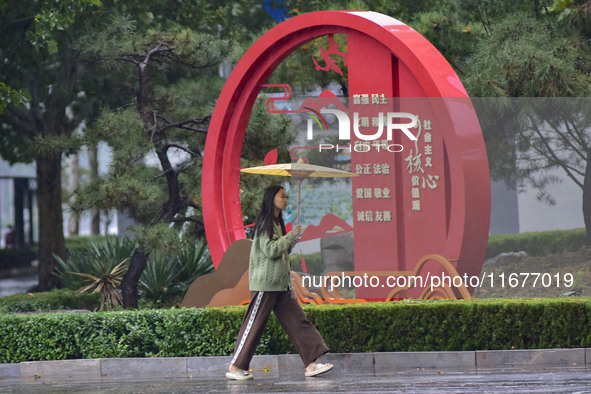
(269, 267)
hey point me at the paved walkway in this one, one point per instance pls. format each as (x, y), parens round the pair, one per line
(544, 371)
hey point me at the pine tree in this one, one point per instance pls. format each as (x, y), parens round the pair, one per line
(166, 81)
(538, 67)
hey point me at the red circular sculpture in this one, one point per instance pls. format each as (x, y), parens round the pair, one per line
(421, 71)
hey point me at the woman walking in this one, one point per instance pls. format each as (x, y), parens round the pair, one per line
(270, 288)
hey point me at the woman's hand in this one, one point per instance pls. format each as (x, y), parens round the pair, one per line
(297, 233)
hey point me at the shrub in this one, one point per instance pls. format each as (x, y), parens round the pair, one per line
(16, 258)
(96, 259)
(314, 263)
(74, 242)
(50, 300)
(537, 243)
(167, 277)
(412, 325)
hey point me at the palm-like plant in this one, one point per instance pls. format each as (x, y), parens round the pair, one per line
(101, 266)
(168, 276)
(107, 283)
(103, 263)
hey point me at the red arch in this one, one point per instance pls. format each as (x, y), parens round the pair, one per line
(220, 183)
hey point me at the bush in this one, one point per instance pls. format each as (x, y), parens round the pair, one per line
(314, 263)
(167, 277)
(97, 259)
(50, 300)
(75, 242)
(16, 258)
(538, 243)
(369, 327)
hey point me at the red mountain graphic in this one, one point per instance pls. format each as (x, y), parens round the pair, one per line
(325, 99)
(325, 228)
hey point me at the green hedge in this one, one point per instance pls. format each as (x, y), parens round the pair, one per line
(16, 258)
(371, 327)
(50, 300)
(85, 241)
(538, 243)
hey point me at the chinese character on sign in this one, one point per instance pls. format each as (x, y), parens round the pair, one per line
(377, 192)
(428, 162)
(428, 138)
(368, 216)
(362, 146)
(367, 192)
(387, 216)
(365, 99)
(385, 168)
(375, 122)
(416, 205)
(414, 163)
(367, 169)
(385, 192)
(364, 121)
(416, 192)
(379, 144)
(375, 98)
(426, 125)
(359, 169)
(356, 99)
(359, 192)
(383, 99)
(415, 180)
(361, 216)
(428, 149)
(431, 182)
(377, 168)
(379, 216)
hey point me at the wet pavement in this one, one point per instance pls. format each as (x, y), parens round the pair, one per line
(546, 380)
(20, 284)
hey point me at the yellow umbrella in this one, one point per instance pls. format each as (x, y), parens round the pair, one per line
(299, 170)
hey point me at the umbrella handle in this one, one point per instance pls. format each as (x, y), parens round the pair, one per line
(299, 181)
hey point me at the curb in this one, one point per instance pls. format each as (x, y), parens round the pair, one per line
(214, 367)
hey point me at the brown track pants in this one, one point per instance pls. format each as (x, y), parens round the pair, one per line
(302, 333)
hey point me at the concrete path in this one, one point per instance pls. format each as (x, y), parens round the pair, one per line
(548, 371)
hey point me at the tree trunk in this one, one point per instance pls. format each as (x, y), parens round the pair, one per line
(95, 214)
(587, 200)
(51, 228)
(129, 284)
(73, 184)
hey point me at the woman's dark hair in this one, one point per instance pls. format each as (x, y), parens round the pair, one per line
(266, 216)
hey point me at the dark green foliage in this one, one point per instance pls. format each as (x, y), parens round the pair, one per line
(13, 258)
(85, 241)
(168, 276)
(314, 263)
(538, 243)
(49, 300)
(99, 258)
(373, 327)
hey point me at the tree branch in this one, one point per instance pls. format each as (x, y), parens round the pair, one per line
(192, 204)
(193, 219)
(189, 151)
(159, 175)
(567, 140)
(183, 125)
(555, 158)
(581, 136)
(20, 120)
